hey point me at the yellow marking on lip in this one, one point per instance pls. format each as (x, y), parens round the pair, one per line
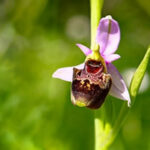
(80, 104)
(88, 86)
(82, 82)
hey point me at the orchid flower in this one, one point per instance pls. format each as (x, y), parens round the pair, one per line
(97, 69)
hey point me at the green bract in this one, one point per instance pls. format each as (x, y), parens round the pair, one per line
(139, 74)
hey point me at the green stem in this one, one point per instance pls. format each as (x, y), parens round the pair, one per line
(103, 130)
(96, 7)
(99, 126)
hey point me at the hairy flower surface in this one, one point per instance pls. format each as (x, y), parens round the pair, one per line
(94, 79)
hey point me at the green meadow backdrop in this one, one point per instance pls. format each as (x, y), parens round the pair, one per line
(39, 36)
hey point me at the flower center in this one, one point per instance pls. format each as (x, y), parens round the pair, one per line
(94, 67)
(90, 85)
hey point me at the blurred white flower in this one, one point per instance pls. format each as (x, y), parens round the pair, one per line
(78, 28)
(128, 74)
(6, 37)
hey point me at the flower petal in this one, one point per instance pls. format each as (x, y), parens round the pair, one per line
(66, 73)
(110, 58)
(118, 88)
(84, 49)
(108, 35)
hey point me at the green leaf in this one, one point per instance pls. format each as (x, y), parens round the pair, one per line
(139, 74)
(134, 87)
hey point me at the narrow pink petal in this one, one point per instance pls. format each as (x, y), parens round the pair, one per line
(118, 88)
(108, 35)
(84, 49)
(66, 73)
(110, 58)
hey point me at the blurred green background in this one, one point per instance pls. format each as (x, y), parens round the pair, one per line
(39, 36)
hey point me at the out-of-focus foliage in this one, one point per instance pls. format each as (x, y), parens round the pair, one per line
(39, 36)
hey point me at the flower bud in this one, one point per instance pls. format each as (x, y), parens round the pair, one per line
(90, 85)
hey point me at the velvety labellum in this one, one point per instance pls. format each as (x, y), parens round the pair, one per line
(90, 85)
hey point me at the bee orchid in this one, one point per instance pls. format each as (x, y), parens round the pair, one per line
(97, 77)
